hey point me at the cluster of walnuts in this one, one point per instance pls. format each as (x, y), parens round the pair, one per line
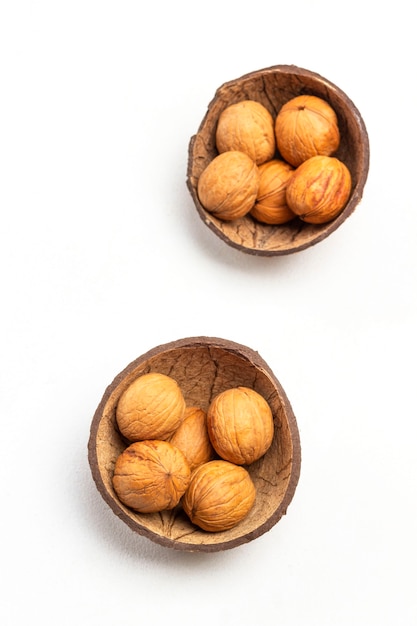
(276, 169)
(183, 455)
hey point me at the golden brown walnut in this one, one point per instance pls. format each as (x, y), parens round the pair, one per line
(228, 186)
(219, 496)
(151, 476)
(319, 189)
(240, 425)
(304, 127)
(192, 438)
(271, 204)
(152, 407)
(247, 126)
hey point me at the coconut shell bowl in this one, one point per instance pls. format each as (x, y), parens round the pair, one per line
(273, 87)
(203, 367)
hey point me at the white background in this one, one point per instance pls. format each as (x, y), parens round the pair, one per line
(103, 256)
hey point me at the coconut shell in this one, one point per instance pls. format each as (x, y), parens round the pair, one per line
(273, 87)
(203, 367)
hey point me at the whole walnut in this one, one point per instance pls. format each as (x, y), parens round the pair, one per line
(152, 407)
(228, 186)
(271, 203)
(151, 476)
(319, 189)
(240, 425)
(247, 126)
(219, 496)
(304, 127)
(191, 437)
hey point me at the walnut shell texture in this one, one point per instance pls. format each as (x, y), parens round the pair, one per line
(229, 185)
(319, 189)
(192, 438)
(247, 126)
(219, 496)
(152, 407)
(240, 425)
(304, 127)
(151, 476)
(271, 202)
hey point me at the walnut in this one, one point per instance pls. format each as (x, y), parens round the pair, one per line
(151, 476)
(304, 127)
(228, 186)
(240, 425)
(319, 189)
(271, 204)
(249, 127)
(152, 407)
(219, 496)
(192, 438)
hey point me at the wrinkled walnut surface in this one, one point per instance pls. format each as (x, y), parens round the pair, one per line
(228, 187)
(305, 127)
(240, 425)
(151, 476)
(271, 202)
(247, 126)
(219, 496)
(203, 367)
(152, 407)
(319, 189)
(192, 438)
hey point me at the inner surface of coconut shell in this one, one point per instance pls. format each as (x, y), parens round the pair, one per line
(273, 87)
(203, 367)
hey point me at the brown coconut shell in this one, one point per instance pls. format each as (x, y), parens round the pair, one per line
(273, 87)
(203, 367)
